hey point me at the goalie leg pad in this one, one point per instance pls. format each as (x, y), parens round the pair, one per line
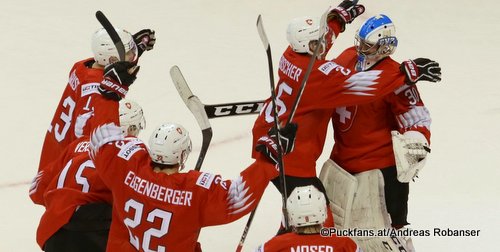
(369, 210)
(340, 187)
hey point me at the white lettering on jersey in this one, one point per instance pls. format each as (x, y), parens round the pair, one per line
(73, 80)
(158, 192)
(361, 83)
(128, 150)
(312, 248)
(289, 69)
(90, 88)
(205, 180)
(330, 66)
(82, 147)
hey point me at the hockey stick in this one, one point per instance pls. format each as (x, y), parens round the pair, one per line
(197, 108)
(322, 31)
(112, 33)
(267, 46)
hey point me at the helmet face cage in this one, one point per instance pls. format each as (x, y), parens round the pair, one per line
(374, 41)
(306, 206)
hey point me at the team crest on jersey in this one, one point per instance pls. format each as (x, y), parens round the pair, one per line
(128, 150)
(344, 117)
(90, 88)
(205, 180)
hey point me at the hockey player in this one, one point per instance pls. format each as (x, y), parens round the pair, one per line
(162, 209)
(307, 211)
(330, 85)
(365, 182)
(78, 204)
(85, 78)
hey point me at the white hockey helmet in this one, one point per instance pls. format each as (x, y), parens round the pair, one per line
(105, 51)
(306, 206)
(375, 40)
(131, 117)
(301, 31)
(170, 144)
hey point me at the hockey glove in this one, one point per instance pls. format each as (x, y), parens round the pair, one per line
(421, 69)
(410, 151)
(346, 12)
(145, 40)
(267, 144)
(117, 78)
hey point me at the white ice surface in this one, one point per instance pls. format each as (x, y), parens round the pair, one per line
(216, 45)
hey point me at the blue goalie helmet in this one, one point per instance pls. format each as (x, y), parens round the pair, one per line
(375, 40)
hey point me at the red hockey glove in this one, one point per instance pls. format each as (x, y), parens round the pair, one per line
(421, 69)
(117, 78)
(346, 12)
(267, 145)
(145, 40)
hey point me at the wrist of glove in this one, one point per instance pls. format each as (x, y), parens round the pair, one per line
(420, 69)
(267, 144)
(118, 77)
(345, 13)
(145, 40)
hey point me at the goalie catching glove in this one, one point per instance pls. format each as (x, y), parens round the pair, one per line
(421, 69)
(267, 144)
(410, 152)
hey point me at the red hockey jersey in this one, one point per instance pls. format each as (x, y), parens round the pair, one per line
(61, 130)
(68, 182)
(308, 242)
(330, 85)
(166, 212)
(363, 132)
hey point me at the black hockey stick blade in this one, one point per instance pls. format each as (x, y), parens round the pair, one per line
(197, 109)
(112, 33)
(233, 109)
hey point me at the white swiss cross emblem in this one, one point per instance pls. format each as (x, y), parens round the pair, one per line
(344, 117)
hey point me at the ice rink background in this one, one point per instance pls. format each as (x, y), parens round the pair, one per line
(216, 45)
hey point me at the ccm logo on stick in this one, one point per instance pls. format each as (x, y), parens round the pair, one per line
(238, 109)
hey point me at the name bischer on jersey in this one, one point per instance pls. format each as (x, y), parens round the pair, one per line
(289, 69)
